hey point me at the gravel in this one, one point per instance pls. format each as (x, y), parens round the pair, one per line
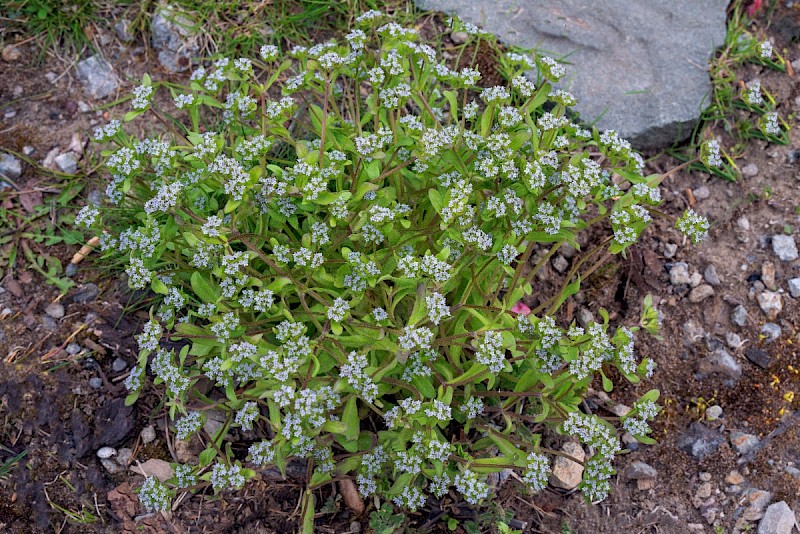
(123, 31)
(67, 163)
(148, 434)
(10, 167)
(73, 349)
(784, 247)
(758, 357)
(459, 37)
(55, 310)
(720, 363)
(86, 293)
(700, 441)
(739, 315)
(733, 340)
(670, 249)
(794, 287)
(701, 193)
(700, 293)
(679, 274)
(119, 365)
(713, 412)
(106, 452)
(567, 474)
(772, 331)
(96, 382)
(750, 170)
(711, 276)
(743, 443)
(560, 263)
(97, 77)
(771, 303)
(778, 519)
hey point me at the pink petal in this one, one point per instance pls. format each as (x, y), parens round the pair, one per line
(521, 308)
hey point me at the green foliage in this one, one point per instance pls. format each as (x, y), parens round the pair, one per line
(744, 108)
(341, 255)
(57, 23)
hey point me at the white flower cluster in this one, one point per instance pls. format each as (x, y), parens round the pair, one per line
(753, 94)
(154, 495)
(247, 415)
(693, 225)
(537, 471)
(490, 351)
(766, 49)
(360, 381)
(189, 424)
(141, 96)
(472, 489)
(226, 477)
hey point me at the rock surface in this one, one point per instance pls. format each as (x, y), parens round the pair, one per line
(10, 167)
(778, 519)
(639, 66)
(700, 440)
(173, 39)
(784, 247)
(566, 473)
(97, 77)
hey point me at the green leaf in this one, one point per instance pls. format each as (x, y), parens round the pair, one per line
(476, 370)
(207, 456)
(202, 288)
(350, 418)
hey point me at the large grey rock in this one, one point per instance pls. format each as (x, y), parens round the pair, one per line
(779, 519)
(97, 77)
(784, 247)
(174, 37)
(638, 65)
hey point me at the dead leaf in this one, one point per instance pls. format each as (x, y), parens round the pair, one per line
(350, 496)
(155, 468)
(122, 501)
(13, 287)
(30, 197)
(25, 277)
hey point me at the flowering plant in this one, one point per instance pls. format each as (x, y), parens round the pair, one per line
(341, 257)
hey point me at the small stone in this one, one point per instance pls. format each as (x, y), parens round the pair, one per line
(739, 315)
(172, 37)
(567, 474)
(118, 365)
(700, 441)
(743, 443)
(696, 279)
(10, 53)
(148, 434)
(704, 491)
(28, 150)
(771, 303)
(757, 501)
(215, 420)
(784, 247)
(106, 452)
(123, 33)
(630, 441)
(459, 37)
(87, 293)
(585, 317)
(733, 340)
(693, 330)
(9, 114)
(734, 477)
(83, 107)
(95, 382)
(95, 197)
(355, 527)
(720, 363)
(670, 249)
(794, 287)
(679, 274)
(701, 193)
(758, 357)
(97, 77)
(713, 412)
(183, 451)
(560, 263)
(111, 466)
(55, 310)
(124, 456)
(51, 77)
(778, 519)
(10, 167)
(750, 170)
(73, 349)
(700, 293)
(71, 270)
(771, 331)
(768, 275)
(743, 223)
(710, 275)
(640, 470)
(705, 476)
(67, 163)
